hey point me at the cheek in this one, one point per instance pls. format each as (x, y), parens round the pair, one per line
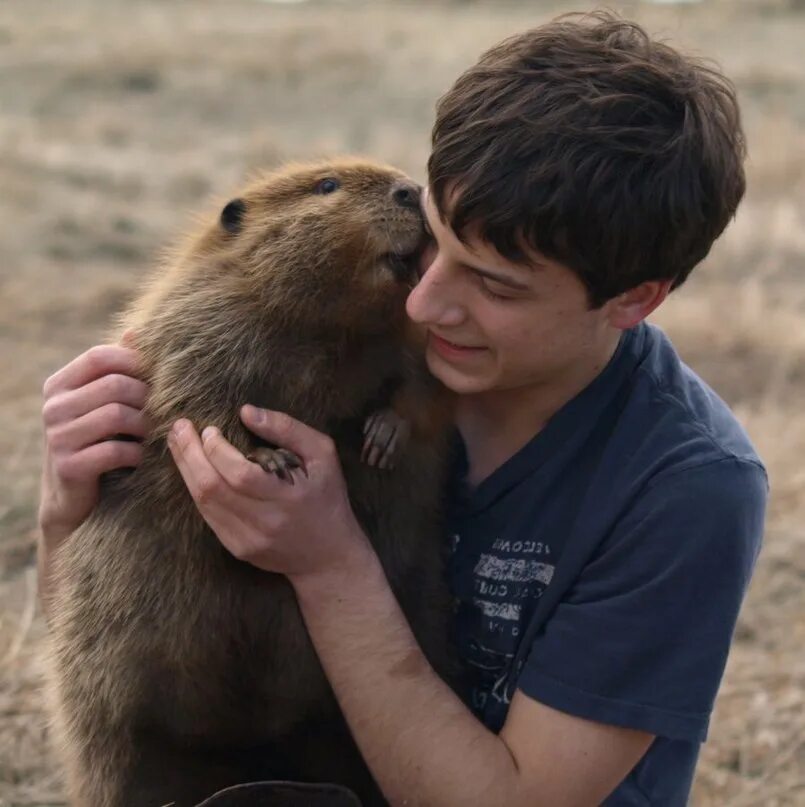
(530, 337)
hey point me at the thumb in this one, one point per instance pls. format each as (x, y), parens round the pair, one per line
(286, 432)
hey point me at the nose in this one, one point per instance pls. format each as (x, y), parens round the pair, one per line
(406, 194)
(435, 299)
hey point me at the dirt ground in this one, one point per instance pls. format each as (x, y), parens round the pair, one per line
(118, 119)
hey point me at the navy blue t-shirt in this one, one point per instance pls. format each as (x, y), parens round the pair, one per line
(601, 568)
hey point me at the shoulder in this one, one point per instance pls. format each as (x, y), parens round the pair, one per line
(706, 521)
(676, 421)
(679, 473)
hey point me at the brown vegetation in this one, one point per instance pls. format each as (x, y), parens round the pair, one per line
(118, 118)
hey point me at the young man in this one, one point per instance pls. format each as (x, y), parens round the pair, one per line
(606, 510)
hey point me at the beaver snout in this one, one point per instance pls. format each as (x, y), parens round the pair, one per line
(406, 245)
(406, 194)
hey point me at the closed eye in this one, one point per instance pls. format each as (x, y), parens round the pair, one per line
(487, 291)
(496, 288)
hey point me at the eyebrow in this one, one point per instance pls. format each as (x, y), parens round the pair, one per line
(502, 279)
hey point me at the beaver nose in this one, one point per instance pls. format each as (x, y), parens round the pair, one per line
(406, 194)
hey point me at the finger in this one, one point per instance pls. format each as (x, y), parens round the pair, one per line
(243, 476)
(100, 424)
(87, 465)
(110, 389)
(217, 503)
(129, 338)
(207, 487)
(283, 430)
(96, 362)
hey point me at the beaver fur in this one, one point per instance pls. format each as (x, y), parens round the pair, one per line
(177, 669)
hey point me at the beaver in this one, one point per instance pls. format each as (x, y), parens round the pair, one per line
(177, 669)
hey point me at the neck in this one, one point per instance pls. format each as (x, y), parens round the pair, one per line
(496, 424)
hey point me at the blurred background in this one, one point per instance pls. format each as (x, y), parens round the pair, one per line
(120, 118)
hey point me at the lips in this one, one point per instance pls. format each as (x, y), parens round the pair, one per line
(452, 349)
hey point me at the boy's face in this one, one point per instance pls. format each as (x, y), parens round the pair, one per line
(494, 325)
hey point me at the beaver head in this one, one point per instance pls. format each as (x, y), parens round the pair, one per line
(324, 245)
(291, 296)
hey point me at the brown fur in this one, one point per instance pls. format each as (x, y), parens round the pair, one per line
(178, 669)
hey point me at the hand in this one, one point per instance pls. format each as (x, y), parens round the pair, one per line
(302, 530)
(89, 401)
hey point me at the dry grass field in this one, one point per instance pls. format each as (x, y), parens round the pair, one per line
(119, 118)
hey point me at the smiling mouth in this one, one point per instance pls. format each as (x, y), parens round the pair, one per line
(452, 346)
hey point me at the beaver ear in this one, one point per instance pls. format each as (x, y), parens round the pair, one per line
(232, 215)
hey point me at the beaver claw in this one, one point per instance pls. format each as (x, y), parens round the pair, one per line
(277, 461)
(385, 434)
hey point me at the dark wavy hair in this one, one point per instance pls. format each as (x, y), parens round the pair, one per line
(598, 147)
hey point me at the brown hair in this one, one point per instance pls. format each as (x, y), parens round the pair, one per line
(594, 145)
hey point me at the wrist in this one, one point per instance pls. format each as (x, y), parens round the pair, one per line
(358, 562)
(52, 534)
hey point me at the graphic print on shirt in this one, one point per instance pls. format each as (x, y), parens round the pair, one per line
(507, 581)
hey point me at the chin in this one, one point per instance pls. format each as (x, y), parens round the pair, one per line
(455, 380)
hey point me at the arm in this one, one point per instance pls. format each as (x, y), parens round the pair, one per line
(421, 743)
(86, 403)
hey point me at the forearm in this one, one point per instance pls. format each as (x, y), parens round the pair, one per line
(422, 744)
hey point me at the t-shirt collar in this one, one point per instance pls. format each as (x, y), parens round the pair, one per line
(565, 430)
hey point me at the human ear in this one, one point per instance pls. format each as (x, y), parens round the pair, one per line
(633, 306)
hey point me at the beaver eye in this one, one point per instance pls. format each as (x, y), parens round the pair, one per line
(328, 185)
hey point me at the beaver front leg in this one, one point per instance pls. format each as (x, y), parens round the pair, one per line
(277, 461)
(385, 434)
(421, 409)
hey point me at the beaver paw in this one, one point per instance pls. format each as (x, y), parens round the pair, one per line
(277, 461)
(385, 434)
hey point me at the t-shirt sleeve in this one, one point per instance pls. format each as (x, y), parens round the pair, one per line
(641, 639)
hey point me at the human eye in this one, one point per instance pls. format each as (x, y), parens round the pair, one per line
(489, 288)
(491, 294)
